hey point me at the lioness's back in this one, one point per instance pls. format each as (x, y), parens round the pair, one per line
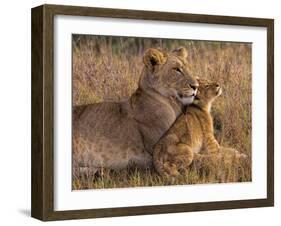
(102, 119)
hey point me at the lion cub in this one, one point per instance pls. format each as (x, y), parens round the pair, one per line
(192, 133)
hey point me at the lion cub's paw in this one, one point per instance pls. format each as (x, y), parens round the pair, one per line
(177, 160)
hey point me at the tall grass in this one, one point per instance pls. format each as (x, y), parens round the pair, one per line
(108, 69)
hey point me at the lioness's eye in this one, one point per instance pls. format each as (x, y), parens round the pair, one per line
(178, 70)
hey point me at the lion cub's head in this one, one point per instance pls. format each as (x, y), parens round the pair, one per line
(207, 92)
(169, 75)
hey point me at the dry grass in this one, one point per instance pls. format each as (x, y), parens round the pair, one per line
(108, 69)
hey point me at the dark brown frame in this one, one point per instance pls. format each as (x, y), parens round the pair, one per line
(42, 202)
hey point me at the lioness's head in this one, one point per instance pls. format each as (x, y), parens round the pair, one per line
(169, 74)
(207, 92)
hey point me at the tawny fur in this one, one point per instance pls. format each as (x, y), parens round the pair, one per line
(115, 135)
(192, 135)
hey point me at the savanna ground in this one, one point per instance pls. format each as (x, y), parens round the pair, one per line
(108, 69)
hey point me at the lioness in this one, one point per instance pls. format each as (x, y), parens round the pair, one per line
(192, 135)
(113, 135)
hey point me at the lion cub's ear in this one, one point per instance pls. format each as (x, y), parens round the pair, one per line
(153, 57)
(181, 52)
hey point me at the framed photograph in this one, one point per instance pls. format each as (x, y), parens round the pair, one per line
(141, 112)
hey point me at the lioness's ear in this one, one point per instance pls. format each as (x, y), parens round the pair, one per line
(153, 57)
(181, 52)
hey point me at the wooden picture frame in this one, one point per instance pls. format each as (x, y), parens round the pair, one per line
(42, 203)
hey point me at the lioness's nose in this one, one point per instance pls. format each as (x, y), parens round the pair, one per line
(194, 86)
